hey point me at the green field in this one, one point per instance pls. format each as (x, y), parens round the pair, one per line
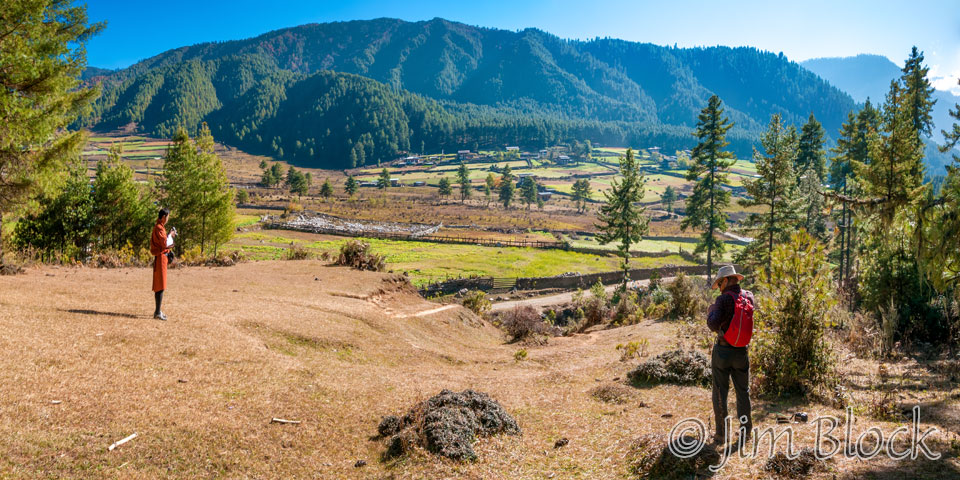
(427, 262)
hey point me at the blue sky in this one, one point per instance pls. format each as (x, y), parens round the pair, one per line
(799, 29)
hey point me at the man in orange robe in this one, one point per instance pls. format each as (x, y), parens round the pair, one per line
(159, 250)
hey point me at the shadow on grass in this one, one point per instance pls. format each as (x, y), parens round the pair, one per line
(106, 314)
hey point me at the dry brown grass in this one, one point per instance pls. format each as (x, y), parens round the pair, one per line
(335, 349)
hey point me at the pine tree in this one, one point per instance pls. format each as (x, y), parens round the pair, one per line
(350, 186)
(444, 187)
(621, 218)
(917, 93)
(298, 183)
(668, 198)
(195, 189)
(63, 222)
(489, 184)
(383, 181)
(775, 190)
(326, 190)
(852, 149)
(463, 178)
(42, 53)
(581, 193)
(810, 152)
(122, 210)
(710, 163)
(528, 191)
(506, 186)
(952, 137)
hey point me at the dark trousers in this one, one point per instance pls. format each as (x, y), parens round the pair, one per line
(158, 299)
(731, 362)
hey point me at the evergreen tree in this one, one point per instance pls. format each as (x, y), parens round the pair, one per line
(489, 184)
(776, 191)
(463, 178)
(528, 191)
(813, 219)
(444, 187)
(62, 223)
(42, 54)
(123, 211)
(810, 152)
(952, 137)
(326, 190)
(383, 181)
(242, 197)
(710, 163)
(581, 193)
(917, 93)
(195, 188)
(350, 186)
(298, 183)
(621, 218)
(506, 187)
(668, 198)
(852, 149)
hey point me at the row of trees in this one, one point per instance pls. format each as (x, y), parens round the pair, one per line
(115, 212)
(896, 237)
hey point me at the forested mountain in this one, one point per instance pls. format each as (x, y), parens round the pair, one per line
(869, 76)
(411, 86)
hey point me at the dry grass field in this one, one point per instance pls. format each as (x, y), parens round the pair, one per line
(85, 365)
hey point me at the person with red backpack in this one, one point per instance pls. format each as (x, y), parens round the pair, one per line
(731, 316)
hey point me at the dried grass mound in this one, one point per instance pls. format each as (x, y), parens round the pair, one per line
(10, 269)
(447, 425)
(680, 367)
(650, 457)
(799, 467)
(612, 393)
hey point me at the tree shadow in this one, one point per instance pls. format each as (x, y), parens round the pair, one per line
(106, 314)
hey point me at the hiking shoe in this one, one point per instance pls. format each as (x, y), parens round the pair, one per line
(160, 316)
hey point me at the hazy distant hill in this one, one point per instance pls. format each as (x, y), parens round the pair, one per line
(440, 84)
(865, 76)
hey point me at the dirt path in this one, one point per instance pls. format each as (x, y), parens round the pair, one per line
(561, 298)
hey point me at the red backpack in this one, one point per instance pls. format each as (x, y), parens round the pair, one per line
(740, 330)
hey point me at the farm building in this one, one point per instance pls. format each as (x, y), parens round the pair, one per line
(513, 149)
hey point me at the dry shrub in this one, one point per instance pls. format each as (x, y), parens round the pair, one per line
(124, 257)
(650, 458)
(861, 333)
(477, 302)
(356, 254)
(612, 393)
(627, 311)
(689, 299)
(447, 424)
(297, 251)
(523, 322)
(800, 467)
(680, 367)
(8, 268)
(595, 308)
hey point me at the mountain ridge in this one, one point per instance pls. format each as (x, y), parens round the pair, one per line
(553, 89)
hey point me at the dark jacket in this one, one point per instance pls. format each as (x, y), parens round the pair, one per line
(721, 312)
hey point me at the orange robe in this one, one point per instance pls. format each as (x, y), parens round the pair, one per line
(158, 248)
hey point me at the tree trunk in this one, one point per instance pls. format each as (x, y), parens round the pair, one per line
(713, 195)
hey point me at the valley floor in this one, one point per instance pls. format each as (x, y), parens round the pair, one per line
(83, 365)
